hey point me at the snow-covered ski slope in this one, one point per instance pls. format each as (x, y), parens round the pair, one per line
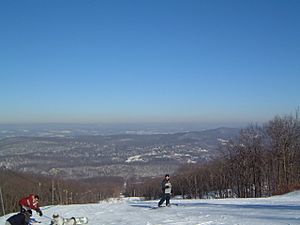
(277, 210)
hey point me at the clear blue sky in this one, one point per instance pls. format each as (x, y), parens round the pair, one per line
(148, 61)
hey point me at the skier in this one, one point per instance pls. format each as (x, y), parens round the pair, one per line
(22, 218)
(166, 187)
(30, 202)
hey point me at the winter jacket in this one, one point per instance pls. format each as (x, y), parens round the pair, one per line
(28, 203)
(19, 219)
(166, 186)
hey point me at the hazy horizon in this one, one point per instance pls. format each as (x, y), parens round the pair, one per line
(123, 126)
(72, 130)
(209, 62)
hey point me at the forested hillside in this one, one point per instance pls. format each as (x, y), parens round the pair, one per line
(262, 161)
(16, 185)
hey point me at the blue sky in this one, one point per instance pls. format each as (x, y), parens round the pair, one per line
(148, 61)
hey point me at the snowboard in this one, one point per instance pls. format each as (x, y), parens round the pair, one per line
(81, 220)
(151, 206)
(164, 206)
(69, 221)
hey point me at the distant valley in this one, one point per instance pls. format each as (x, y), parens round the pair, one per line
(123, 155)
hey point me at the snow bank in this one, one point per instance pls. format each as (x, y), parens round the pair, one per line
(276, 210)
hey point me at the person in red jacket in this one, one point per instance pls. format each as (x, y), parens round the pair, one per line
(30, 202)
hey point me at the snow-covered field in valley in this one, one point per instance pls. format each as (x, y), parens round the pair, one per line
(277, 210)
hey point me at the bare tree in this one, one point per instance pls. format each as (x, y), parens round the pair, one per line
(284, 133)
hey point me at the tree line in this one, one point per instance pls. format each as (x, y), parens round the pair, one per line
(262, 160)
(53, 190)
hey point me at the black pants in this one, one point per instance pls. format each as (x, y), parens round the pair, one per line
(165, 197)
(23, 208)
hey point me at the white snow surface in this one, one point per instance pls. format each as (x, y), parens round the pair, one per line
(277, 210)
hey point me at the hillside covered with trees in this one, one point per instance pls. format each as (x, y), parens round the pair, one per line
(262, 160)
(52, 191)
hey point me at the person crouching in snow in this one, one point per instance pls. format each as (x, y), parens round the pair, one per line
(22, 218)
(166, 187)
(30, 202)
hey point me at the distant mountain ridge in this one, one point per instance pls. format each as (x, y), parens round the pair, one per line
(111, 155)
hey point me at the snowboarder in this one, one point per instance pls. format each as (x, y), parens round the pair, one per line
(58, 220)
(30, 202)
(166, 187)
(22, 218)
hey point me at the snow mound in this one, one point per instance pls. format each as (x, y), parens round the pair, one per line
(292, 196)
(276, 210)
